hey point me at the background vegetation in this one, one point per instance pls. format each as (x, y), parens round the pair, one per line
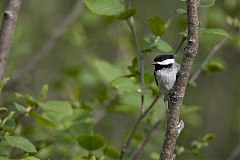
(79, 107)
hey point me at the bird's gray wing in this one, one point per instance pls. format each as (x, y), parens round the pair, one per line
(155, 78)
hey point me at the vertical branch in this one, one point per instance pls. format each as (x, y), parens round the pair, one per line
(143, 113)
(174, 125)
(41, 55)
(7, 30)
(131, 24)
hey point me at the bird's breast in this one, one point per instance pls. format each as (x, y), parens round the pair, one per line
(165, 80)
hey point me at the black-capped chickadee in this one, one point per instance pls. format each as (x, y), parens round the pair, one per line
(165, 73)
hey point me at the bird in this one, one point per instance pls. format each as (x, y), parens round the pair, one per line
(166, 73)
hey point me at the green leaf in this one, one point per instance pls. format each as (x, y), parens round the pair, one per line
(197, 145)
(3, 83)
(3, 109)
(215, 31)
(192, 83)
(31, 101)
(93, 157)
(28, 99)
(43, 120)
(127, 84)
(20, 107)
(79, 123)
(148, 78)
(4, 158)
(184, 33)
(30, 158)
(181, 11)
(111, 152)
(20, 142)
(208, 137)
(133, 68)
(10, 115)
(157, 25)
(138, 136)
(107, 71)
(62, 107)
(179, 150)
(206, 3)
(150, 39)
(126, 14)
(154, 156)
(235, 22)
(44, 91)
(214, 66)
(91, 142)
(105, 7)
(163, 46)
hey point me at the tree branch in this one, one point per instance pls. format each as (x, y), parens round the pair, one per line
(174, 125)
(180, 45)
(208, 58)
(131, 24)
(98, 114)
(147, 138)
(140, 118)
(235, 155)
(7, 30)
(48, 46)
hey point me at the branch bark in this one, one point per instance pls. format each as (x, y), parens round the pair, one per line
(174, 125)
(48, 46)
(7, 30)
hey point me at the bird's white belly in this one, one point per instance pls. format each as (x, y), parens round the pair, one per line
(165, 81)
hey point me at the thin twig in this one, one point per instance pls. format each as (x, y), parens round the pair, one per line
(7, 30)
(102, 110)
(147, 138)
(174, 125)
(130, 23)
(235, 155)
(40, 56)
(180, 45)
(140, 118)
(215, 49)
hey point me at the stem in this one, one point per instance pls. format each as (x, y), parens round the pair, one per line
(180, 45)
(140, 118)
(208, 58)
(174, 125)
(147, 138)
(47, 47)
(7, 29)
(131, 23)
(235, 155)
(98, 114)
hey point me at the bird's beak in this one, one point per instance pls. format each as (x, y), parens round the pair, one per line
(154, 63)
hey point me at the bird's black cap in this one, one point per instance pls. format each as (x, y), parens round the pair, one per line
(161, 58)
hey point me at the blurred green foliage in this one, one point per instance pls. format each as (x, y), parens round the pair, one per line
(84, 98)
